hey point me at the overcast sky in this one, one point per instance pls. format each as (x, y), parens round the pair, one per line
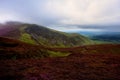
(94, 15)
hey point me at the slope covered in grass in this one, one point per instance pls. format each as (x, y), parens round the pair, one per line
(36, 34)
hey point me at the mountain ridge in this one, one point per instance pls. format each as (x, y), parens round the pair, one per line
(40, 35)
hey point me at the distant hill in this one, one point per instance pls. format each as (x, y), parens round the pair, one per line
(113, 37)
(102, 37)
(40, 35)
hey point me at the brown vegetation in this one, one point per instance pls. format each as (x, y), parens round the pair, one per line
(94, 62)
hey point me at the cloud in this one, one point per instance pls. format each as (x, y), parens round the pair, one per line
(62, 12)
(86, 11)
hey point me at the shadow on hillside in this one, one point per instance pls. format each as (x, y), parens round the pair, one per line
(2, 44)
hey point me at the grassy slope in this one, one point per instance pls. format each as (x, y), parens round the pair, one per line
(27, 38)
(54, 38)
(35, 34)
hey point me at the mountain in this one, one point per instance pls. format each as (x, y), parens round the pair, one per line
(101, 37)
(33, 52)
(113, 37)
(40, 35)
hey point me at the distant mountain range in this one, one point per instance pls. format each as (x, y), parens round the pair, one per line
(40, 35)
(113, 37)
(103, 36)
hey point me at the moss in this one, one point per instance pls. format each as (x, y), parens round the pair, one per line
(57, 54)
(27, 38)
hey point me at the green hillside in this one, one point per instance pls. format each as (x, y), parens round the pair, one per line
(40, 35)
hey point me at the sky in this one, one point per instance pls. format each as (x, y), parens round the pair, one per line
(64, 15)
